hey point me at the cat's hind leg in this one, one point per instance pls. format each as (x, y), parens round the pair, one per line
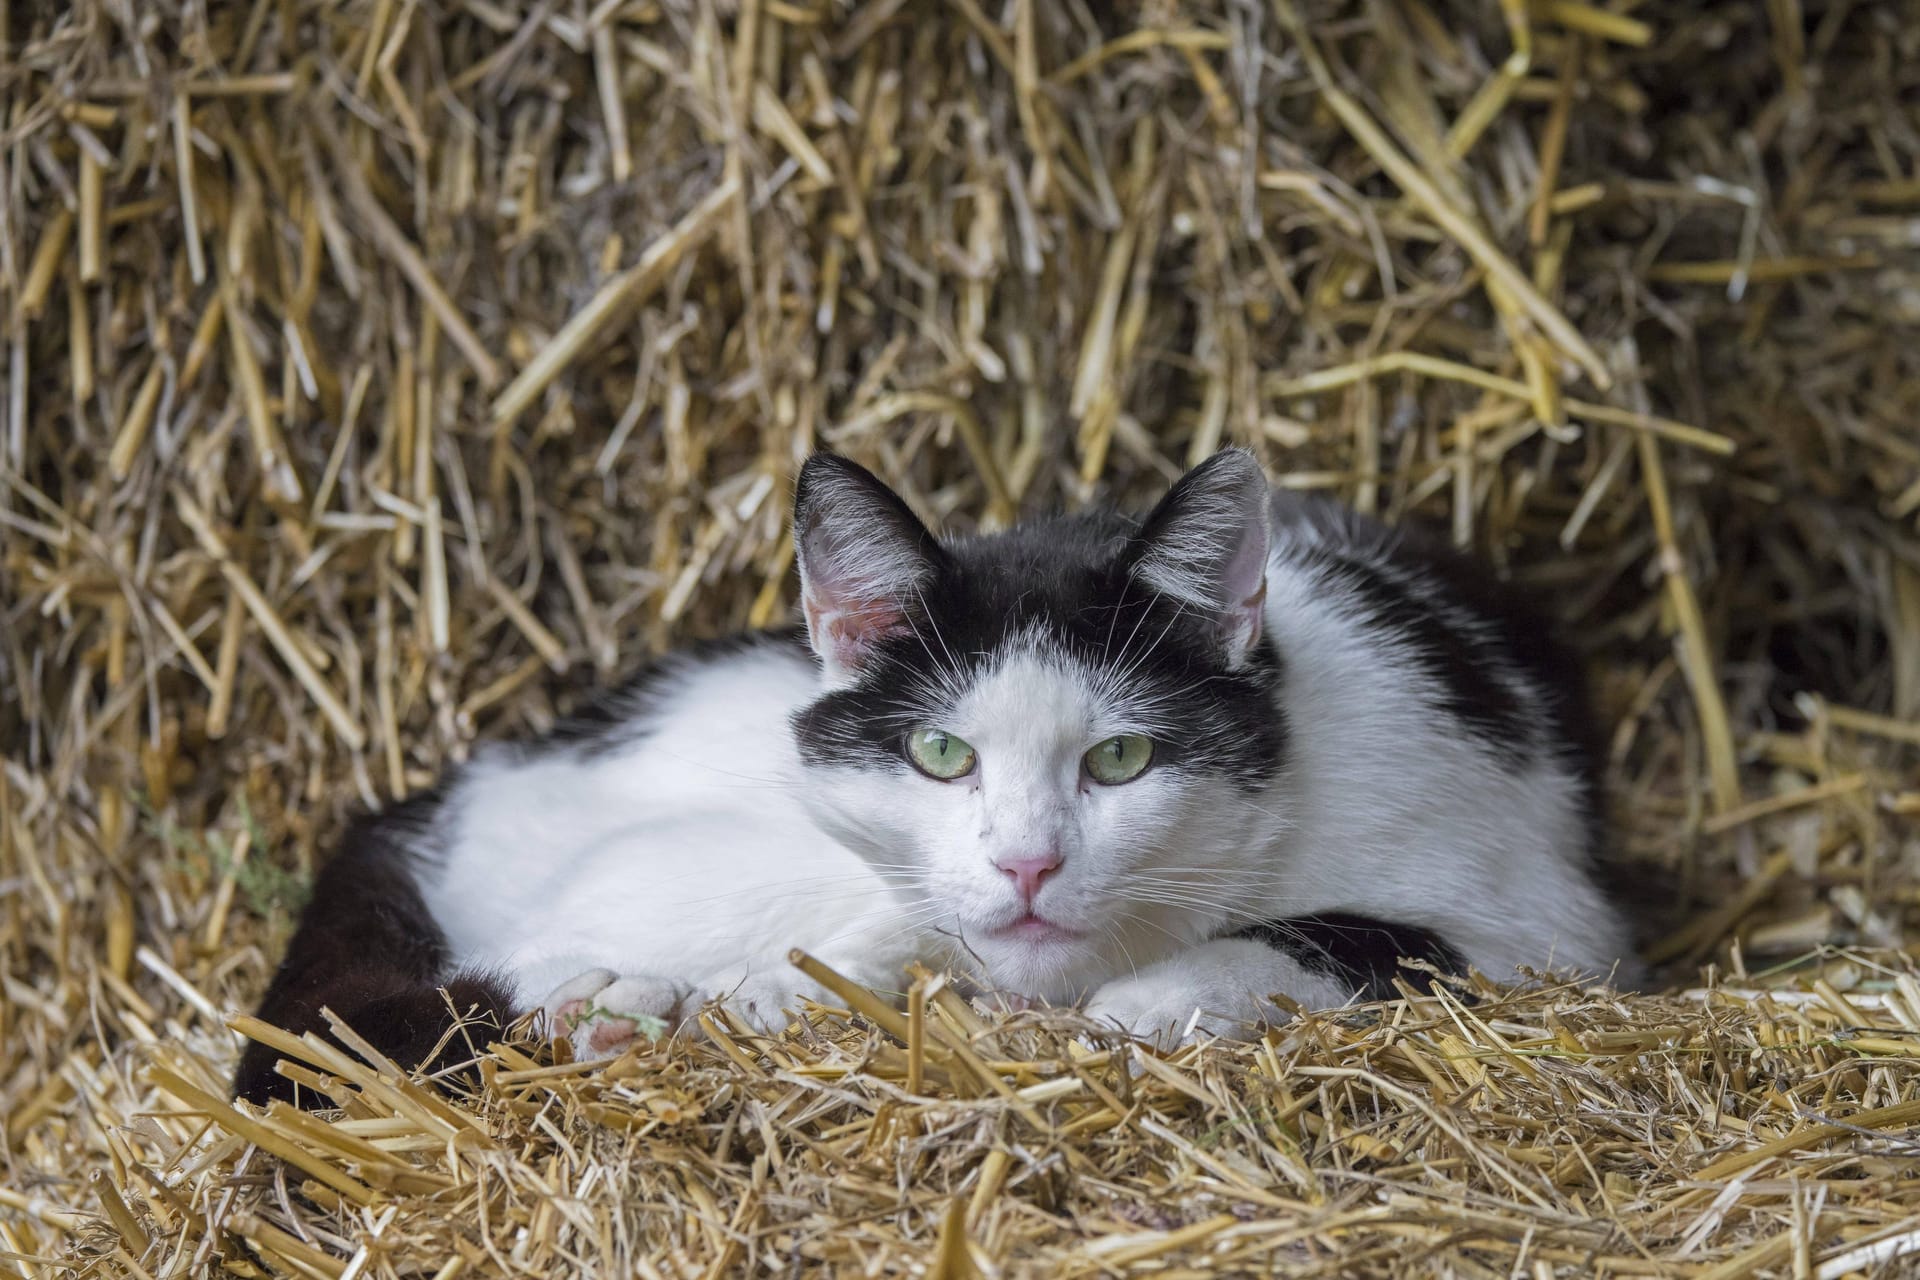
(369, 953)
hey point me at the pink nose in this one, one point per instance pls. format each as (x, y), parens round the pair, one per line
(1027, 873)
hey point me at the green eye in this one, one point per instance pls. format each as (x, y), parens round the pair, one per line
(1120, 759)
(939, 754)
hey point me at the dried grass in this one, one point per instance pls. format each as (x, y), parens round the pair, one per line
(378, 374)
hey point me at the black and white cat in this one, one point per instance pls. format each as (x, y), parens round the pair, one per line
(1251, 744)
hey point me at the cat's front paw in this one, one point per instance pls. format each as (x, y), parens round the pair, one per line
(600, 1012)
(1157, 1008)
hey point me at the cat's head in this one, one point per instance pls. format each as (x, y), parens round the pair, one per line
(1052, 741)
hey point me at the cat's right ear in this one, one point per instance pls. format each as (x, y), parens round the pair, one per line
(863, 558)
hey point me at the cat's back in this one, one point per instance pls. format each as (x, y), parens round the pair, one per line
(697, 736)
(1417, 668)
(1443, 757)
(1466, 654)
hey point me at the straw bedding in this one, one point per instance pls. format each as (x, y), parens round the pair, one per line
(379, 374)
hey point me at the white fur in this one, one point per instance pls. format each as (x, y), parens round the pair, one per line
(697, 855)
(686, 855)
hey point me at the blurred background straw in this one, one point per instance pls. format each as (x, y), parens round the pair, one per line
(379, 375)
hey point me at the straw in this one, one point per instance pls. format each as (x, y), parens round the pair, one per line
(383, 378)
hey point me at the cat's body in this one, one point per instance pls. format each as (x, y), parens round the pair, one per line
(1353, 751)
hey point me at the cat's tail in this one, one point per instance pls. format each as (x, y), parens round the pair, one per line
(368, 950)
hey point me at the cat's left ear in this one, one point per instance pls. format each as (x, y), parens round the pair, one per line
(863, 557)
(1206, 546)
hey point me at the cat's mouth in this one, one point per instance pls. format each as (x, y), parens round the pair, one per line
(1036, 928)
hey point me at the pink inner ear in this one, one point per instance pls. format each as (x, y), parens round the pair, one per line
(845, 631)
(1245, 583)
(1243, 621)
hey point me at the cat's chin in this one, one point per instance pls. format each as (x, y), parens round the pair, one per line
(1039, 959)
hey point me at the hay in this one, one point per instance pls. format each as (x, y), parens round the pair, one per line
(379, 374)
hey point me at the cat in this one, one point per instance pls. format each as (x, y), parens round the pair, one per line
(1252, 744)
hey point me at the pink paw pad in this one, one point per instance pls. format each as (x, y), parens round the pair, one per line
(610, 1035)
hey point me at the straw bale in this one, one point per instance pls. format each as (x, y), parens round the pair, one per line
(378, 375)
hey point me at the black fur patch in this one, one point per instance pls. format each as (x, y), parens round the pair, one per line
(1356, 949)
(1463, 666)
(1527, 643)
(1066, 581)
(368, 950)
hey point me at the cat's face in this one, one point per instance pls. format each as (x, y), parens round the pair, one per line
(1055, 742)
